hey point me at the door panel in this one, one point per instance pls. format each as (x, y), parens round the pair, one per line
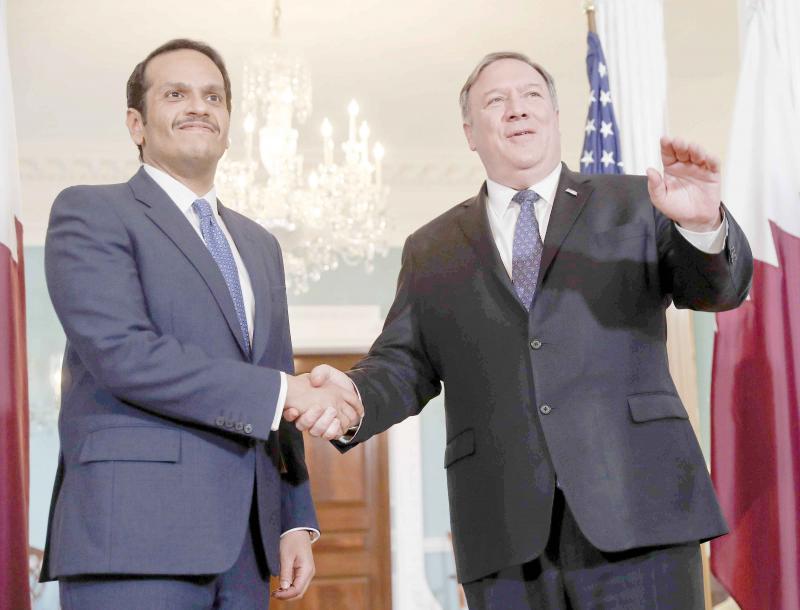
(351, 493)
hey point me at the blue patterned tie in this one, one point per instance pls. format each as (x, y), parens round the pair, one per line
(221, 252)
(527, 248)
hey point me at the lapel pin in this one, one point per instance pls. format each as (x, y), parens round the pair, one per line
(572, 192)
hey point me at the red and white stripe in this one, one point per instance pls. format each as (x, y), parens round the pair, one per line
(755, 402)
(14, 489)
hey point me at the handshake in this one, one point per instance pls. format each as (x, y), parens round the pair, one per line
(324, 402)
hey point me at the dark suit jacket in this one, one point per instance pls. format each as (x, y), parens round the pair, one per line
(579, 388)
(165, 421)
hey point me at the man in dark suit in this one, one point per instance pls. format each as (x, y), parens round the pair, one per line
(178, 486)
(574, 477)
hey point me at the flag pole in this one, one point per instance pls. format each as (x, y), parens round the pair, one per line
(588, 8)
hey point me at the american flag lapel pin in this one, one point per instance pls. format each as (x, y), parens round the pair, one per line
(572, 192)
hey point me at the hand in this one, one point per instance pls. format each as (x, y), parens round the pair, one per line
(689, 193)
(297, 565)
(325, 373)
(326, 411)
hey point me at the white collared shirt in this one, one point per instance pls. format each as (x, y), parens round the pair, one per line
(503, 214)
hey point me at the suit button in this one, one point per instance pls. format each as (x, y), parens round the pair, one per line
(536, 344)
(228, 423)
(220, 421)
(545, 409)
(248, 429)
(239, 426)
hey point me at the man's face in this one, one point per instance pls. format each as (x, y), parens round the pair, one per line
(186, 120)
(512, 123)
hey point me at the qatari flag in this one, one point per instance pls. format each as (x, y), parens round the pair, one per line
(755, 401)
(14, 587)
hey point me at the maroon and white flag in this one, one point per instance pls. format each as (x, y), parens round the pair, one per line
(755, 401)
(14, 584)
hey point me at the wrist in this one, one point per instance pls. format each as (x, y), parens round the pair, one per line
(295, 385)
(702, 225)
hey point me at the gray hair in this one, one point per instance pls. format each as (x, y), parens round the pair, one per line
(463, 97)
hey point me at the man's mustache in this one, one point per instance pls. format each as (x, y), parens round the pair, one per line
(182, 122)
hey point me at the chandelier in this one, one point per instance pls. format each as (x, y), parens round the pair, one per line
(334, 213)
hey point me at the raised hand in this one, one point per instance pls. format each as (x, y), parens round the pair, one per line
(326, 411)
(689, 192)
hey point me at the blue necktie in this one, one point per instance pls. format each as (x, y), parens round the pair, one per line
(221, 252)
(527, 248)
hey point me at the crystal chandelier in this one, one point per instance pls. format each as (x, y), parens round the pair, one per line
(335, 213)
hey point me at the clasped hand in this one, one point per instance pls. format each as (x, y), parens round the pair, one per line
(326, 407)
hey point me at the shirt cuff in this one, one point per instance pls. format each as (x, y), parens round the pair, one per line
(276, 421)
(347, 437)
(314, 533)
(710, 242)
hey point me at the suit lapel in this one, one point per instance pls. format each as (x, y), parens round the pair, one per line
(474, 223)
(571, 195)
(257, 271)
(166, 215)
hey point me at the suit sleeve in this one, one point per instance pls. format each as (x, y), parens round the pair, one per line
(93, 280)
(397, 378)
(698, 280)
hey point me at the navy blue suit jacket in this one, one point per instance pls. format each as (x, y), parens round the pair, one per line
(578, 389)
(165, 421)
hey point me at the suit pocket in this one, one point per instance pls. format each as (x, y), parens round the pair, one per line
(621, 233)
(132, 444)
(647, 407)
(459, 447)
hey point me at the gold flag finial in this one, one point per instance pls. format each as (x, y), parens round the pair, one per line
(588, 8)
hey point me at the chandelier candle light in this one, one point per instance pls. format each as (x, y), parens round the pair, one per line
(335, 214)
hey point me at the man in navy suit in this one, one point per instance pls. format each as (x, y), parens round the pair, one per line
(178, 486)
(574, 477)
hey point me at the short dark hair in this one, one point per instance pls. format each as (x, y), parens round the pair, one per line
(137, 85)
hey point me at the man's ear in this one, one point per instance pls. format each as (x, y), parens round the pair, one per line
(468, 133)
(135, 123)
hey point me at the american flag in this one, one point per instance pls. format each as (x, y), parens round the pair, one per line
(600, 144)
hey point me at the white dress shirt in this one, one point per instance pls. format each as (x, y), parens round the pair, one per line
(503, 214)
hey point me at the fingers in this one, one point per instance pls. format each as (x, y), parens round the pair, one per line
(309, 418)
(668, 156)
(291, 414)
(334, 431)
(287, 557)
(303, 573)
(302, 579)
(320, 374)
(677, 150)
(322, 424)
(699, 157)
